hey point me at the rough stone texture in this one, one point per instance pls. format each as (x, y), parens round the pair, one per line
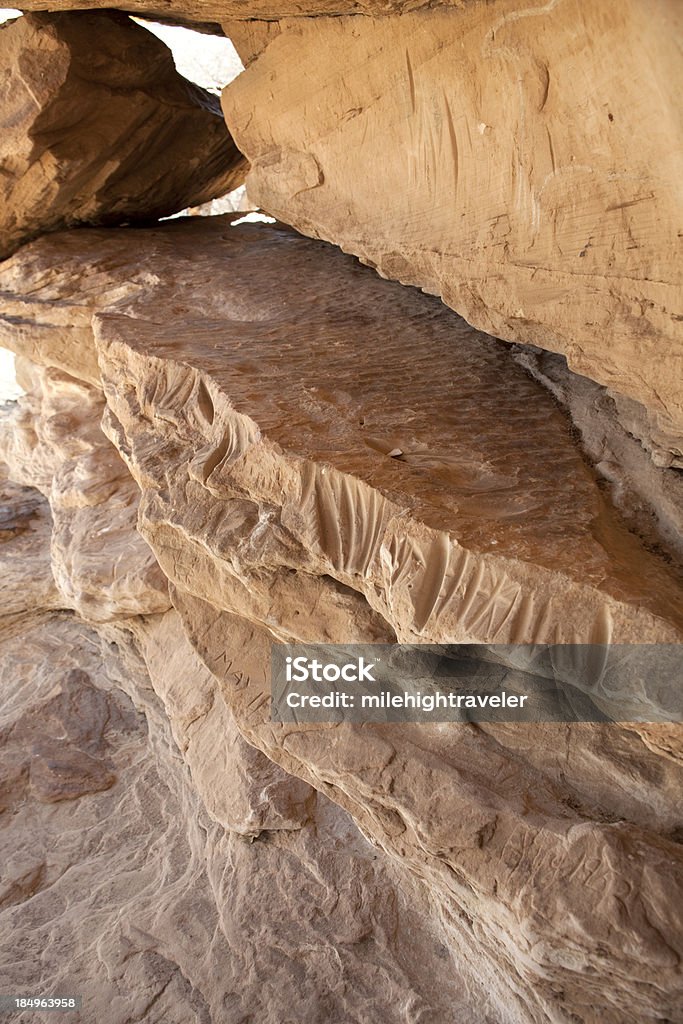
(521, 161)
(448, 495)
(98, 127)
(128, 880)
(52, 441)
(642, 490)
(557, 877)
(322, 455)
(26, 580)
(207, 14)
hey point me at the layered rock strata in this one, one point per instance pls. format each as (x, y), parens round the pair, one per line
(322, 455)
(506, 176)
(98, 127)
(207, 14)
(138, 823)
(51, 441)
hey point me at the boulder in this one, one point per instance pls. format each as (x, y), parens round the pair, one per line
(98, 127)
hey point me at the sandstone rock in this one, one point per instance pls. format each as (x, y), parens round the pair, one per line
(524, 164)
(26, 580)
(260, 797)
(447, 497)
(557, 883)
(117, 885)
(98, 127)
(207, 14)
(52, 441)
(639, 488)
(305, 475)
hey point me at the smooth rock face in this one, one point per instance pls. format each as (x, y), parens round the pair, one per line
(524, 164)
(98, 127)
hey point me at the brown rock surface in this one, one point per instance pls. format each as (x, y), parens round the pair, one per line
(521, 161)
(322, 455)
(98, 127)
(551, 852)
(26, 580)
(296, 429)
(52, 441)
(264, 490)
(119, 882)
(207, 14)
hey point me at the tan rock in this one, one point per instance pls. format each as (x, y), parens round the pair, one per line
(260, 797)
(52, 441)
(522, 162)
(324, 455)
(446, 497)
(117, 885)
(98, 127)
(555, 869)
(26, 580)
(207, 14)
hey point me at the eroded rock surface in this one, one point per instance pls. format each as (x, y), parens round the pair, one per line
(323, 455)
(555, 874)
(521, 161)
(445, 495)
(52, 441)
(98, 127)
(157, 894)
(207, 14)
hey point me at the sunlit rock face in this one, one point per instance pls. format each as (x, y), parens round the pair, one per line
(231, 435)
(521, 161)
(98, 127)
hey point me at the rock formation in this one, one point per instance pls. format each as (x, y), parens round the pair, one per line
(207, 15)
(281, 505)
(98, 127)
(233, 435)
(511, 181)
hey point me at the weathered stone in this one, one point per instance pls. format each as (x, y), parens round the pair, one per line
(446, 495)
(324, 455)
(207, 14)
(98, 127)
(52, 441)
(550, 852)
(522, 162)
(26, 580)
(105, 845)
